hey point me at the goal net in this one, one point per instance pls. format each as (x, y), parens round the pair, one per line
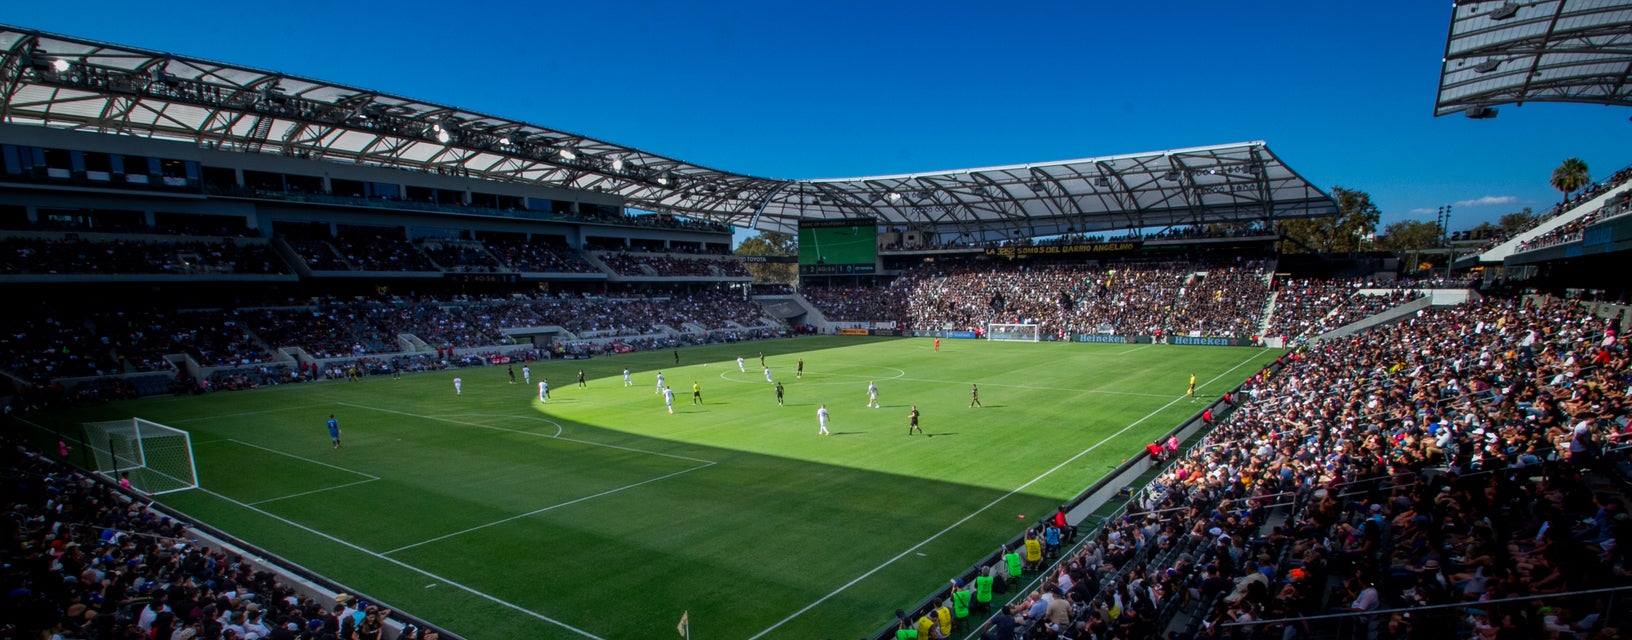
(1013, 332)
(158, 459)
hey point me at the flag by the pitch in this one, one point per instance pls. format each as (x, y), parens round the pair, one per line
(685, 624)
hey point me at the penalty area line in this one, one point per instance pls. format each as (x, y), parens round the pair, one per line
(353, 546)
(914, 548)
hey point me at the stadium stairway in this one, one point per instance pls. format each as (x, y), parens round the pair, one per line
(1386, 315)
(790, 307)
(1501, 251)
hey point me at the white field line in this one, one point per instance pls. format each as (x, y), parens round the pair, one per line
(558, 428)
(702, 464)
(509, 605)
(307, 493)
(304, 459)
(531, 433)
(981, 510)
(251, 413)
(515, 607)
(542, 510)
(369, 477)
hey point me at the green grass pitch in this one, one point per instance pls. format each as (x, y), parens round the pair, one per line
(600, 515)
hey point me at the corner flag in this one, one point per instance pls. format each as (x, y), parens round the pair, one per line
(685, 624)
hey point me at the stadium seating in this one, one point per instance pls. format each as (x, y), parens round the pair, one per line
(1424, 472)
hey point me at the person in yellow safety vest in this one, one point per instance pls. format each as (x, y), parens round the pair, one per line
(943, 616)
(926, 622)
(1034, 551)
(960, 602)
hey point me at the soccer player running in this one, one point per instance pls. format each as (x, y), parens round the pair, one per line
(668, 399)
(544, 390)
(872, 395)
(974, 396)
(660, 386)
(626, 381)
(779, 394)
(696, 393)
(912, 421)
(740, 366)
(768, 375)
(821, 421)
(581, 383)
(334, 431)
(526, 374)
(512, 371)
(458, 387)
(799, 371)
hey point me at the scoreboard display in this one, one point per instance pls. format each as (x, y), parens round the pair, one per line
(843, 246)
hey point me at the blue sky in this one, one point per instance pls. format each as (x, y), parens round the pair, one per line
(1343, 92)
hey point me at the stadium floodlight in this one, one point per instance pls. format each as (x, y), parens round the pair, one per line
(505, 141)
(893, 197)
(1488, 65)
(1507, 10)
(617, 164)
(442, 136)
(60, 65)
(1481, 112)
(567, 154)
(663, 180)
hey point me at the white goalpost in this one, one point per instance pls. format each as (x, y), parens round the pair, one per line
(1013, 332)
(158, 459)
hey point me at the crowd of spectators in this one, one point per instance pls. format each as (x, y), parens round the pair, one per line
(1223, 300)
(541, 257)
(68, 344)
(641, 264)
(1310, 307)
(381, 251)
(69, 255)
(1571, 231)
(1592, 191)
(318, 254)
(1465, 455)
(465, 256)
(857, 303)
(87, 559)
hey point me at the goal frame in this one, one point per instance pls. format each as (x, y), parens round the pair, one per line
(127, 446)
(1007, 332)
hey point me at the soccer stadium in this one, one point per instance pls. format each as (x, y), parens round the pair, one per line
(290, 358)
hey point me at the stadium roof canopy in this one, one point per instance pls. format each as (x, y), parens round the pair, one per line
(61, 81)
(1513, 52)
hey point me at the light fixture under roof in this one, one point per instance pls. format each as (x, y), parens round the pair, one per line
(567, 154)
(1507, 10)
(893, 196)
(442, 136)
(1488, 65)
(617, 164)
(60, 65)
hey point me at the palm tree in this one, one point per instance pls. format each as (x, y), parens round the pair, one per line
(1570, 176)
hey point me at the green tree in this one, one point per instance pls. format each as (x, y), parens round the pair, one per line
(1570, 176)
(771, 243)
(1517, 221)
(1409, 234)
(1356, 219)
